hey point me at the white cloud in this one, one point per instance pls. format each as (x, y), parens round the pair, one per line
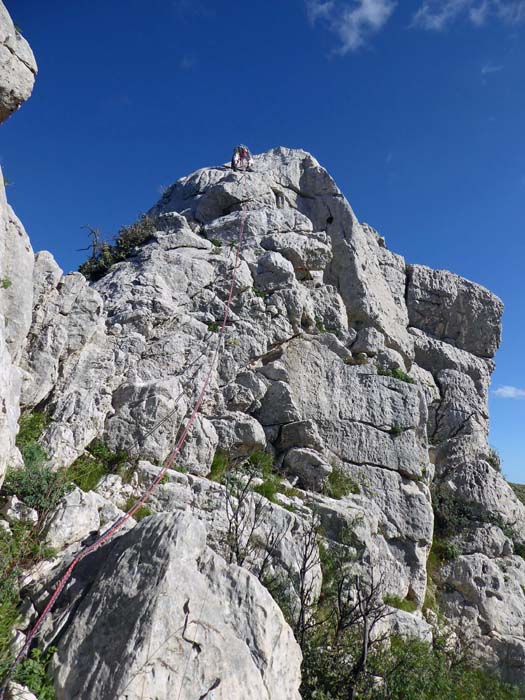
(353, 22)
(436, 15)
(317, 9)
(489, 68)
(509, 392)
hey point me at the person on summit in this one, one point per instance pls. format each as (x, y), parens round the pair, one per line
(242, 159)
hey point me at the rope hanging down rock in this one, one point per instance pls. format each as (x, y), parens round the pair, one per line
(167, 465)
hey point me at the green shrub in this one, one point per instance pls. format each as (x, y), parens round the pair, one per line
(417, 670)
(261, 464)
(33, 673)
(141, 513)
(454, 514)
(519, 490)
(400, 603)
(519, 549)
(5, 283)
(106, 255)
(396, 430)
(291, 492)
(494, 459)
(214, 327)
(18, 551)
(340, 484)
(320, 325)
(36, 485)
(269, 487)
(31, 426)
(404, 669)
(219, 466)
(97, 461)
(86, 472)
(396, 374)
(444, 551)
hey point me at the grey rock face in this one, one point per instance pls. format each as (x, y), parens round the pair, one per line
(182, 636)
(17, 66)
(310, 468)
(486, 594)
(455, 310)
(16, 270)
(336, 357)
(19, 692)
(78, 515)
(15, 511)
(16, 265)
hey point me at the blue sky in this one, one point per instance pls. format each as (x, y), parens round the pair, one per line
(416, 108)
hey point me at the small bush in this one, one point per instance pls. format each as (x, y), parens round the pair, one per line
(18, 551)
(141, 513)
(400, 603)
(106, 255)
(219, 466)
(213, 327)
(36, 485)
(97, 461)
(441, 552)
(5, 283)
(291, 492)
(395, 374)
(86, 472)
(340, 484)
(454, 514)
(519, 490)
(519, 549)
(31, 427)
(494, 459)
(320, 325)
(33, 673)
(261, 464)
(396, 430)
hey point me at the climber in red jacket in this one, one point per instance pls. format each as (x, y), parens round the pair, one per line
(242, 159)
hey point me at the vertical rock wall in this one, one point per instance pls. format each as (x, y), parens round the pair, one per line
(17, 75)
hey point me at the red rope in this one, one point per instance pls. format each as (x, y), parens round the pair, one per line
(167, 464)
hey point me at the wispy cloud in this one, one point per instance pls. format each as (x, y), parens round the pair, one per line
(187, 62)
(353, 22)
(193, 8)
(489, 68)
(437, 15)
(510, 392)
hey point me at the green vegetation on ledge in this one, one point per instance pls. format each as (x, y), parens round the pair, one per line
(97, 461)
(396, 374)
(104, 255)
(339, 484)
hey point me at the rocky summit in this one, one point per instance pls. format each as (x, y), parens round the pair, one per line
(348, 395)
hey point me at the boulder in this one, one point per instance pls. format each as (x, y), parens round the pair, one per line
(181, 636)
(17, 66)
